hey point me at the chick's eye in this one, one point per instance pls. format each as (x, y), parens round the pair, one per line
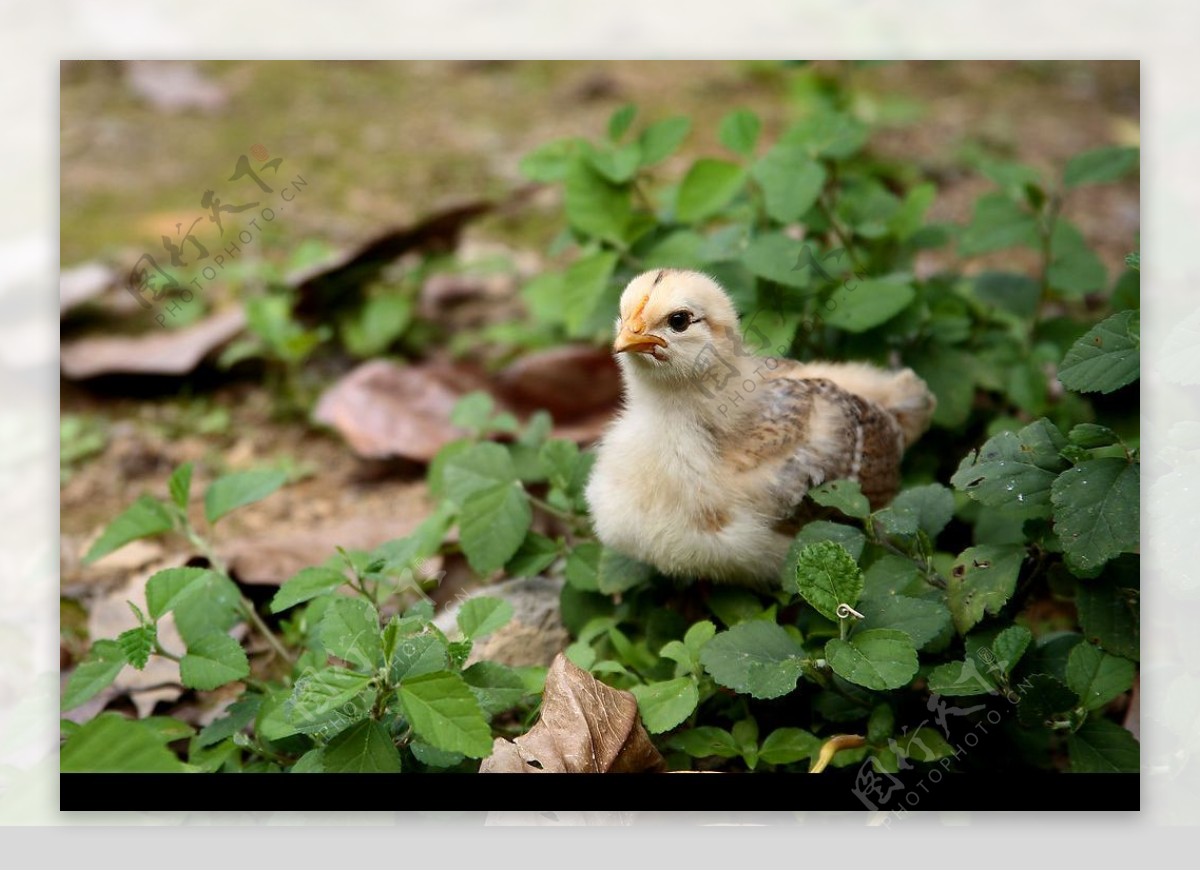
(679, 321)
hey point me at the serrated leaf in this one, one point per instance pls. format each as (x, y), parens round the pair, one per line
(1092, 435)
(707, 188)
(826, 576)
(858, 306)
(433, 757)
(97, 670)
(1098, 677)
(497, 687)
(788, 744)
(922, 620)
(1097, 510)
(1041, 697)
(878, 659)
(364, 748)
(350, 631)
(594, 568)
(844, 495)
(164, 588)
(179, 485)
(1109, 614)
(790, 180)
(238, 716)
(705, 741)
(318, 694)
(1099, 165)
(1106, 358)
(666, 704)
(754, 657)
(213, 661)
(476, 468)
(204, 601)
(738, 131)
(890, 575)
(112, 744)
(1009, 646)
(492, 525)
(1101, 746)
(418, 655)
(143, 518)
(1015, 470)
(136, 644)
(306, 584)
(536, 554)
(661, 138)
(483, 615)
(927, 508)
(982, 581)
(443, 711)
(241, 488)
(960, 679)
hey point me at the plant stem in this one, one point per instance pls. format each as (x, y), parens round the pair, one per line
(252, 615)
(839, 232)
(550, 509)
(165, 654)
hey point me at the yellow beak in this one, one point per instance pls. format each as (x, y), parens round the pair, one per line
(637, 342)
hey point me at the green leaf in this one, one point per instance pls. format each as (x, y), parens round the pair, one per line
(881, 724)
(922, 620)
(364, 748)
(1074, 267)
(619, 121)
(666, 704)
(477, 468)
(418, 655)
(778, 258)
(594, 568)
(960, 679)
(997, 223)
(137, 643)
(1041, 698)
(983, 580)
(483, 615)
(241, 488)
(1010, 291)
(1109, 613)
(707, 188)
(442, 709)
(878, 659)
(306, 584)
(473, 411)
(1102, 746)
(1099, 165)
(738, 131)
(550, 162)
(859, 306)
(143, 518)
(755, 657)
(890, 575)
(927, 508)
(844, 495)
(949, 374)
(1009, 646)
(818, 531)
(661, 138)
(204, 604)
(1015, 470)
(534, 556)
(379, 322)
(1098, 677)
(828, 133)
(618, 164)
(433, 757)
(164, 588)
(497, 687)
(179, 485)
(705, 741)
(112, 744)
(787, 745)
(1106, 358)
(745, 736)
(492, 525)
(584, 288)
(238, 716)
(213, 661)
(318, 694)
(925, 741)
(1096, 510)
(790, 180)
(826, 576)
(97, 670)
(350, 631)
(594, 205)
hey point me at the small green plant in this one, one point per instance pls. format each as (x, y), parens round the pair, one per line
(79, 438)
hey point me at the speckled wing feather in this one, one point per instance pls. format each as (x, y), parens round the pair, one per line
(808, 430)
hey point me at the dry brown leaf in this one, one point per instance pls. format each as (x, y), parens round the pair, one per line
(385, 410)
(81, 283)
(585, 727)
(160, 352)
(569, 382)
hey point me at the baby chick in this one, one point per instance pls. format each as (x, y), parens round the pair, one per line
(704, 471)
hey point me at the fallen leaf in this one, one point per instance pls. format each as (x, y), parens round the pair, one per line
(81, 283)
(571, 382)
(585, 727)
(385, 410)
(174, 86)
(159, 352)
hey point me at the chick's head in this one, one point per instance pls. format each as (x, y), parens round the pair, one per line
(671, 323)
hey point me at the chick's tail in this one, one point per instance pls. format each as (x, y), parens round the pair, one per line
(901, 392)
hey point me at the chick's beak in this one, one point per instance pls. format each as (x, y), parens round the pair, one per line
(638, 342)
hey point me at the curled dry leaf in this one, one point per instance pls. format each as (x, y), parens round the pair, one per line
(159, 352)
(384, 410)
(585, 727)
